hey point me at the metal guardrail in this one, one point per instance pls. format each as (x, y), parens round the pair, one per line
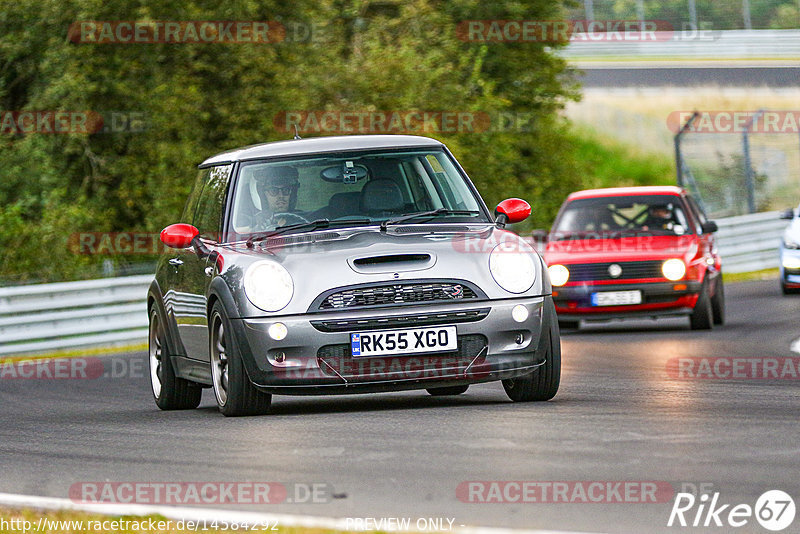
(705, 44)
(750, 242)
(112, 311)
(49, 317)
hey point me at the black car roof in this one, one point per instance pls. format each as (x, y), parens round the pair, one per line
(316, 145)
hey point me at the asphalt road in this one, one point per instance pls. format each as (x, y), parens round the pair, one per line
(617, 417)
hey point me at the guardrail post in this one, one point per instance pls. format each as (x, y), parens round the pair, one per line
(749, 175)
(678, 156)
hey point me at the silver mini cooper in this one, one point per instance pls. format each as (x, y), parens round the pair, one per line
(341, 265)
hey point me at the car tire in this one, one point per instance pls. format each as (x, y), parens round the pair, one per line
(718, 302)
(450, 390)
(235, 393)
(702, 317)
(169, 391)
(542, 383)
(569, 325)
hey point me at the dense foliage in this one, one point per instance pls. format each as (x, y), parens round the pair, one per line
(190, 100)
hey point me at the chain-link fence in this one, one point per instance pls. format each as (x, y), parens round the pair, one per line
(751, 168)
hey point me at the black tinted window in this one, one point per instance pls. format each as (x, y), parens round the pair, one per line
(194, 196)
(657, 214)
(208, 217)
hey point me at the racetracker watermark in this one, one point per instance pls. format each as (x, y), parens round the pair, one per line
(566, 491)
(91, 368)
(71, 122)
(616, 241)
(733, 368)
(200, 493)
(113, 243)
(736, 122)
(403, 121)
(176, 31)
(564, 31)
(415, 367)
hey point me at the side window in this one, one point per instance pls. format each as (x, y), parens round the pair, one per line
(208, 217)
(697, 212)
(194, 196)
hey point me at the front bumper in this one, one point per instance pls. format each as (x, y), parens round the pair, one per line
(315, 356)
(658, 299)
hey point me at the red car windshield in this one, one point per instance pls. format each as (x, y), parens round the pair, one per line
(608, 217)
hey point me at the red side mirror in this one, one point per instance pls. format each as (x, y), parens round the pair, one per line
(179, 235)
(512, 210)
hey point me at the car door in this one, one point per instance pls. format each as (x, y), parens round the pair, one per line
(708, 243)
(174, 301)
(192, 280)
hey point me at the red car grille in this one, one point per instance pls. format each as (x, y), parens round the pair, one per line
(631, 270)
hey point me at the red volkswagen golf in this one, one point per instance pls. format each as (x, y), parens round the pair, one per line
(635, 252)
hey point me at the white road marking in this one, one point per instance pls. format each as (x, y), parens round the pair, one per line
(795, 347)
(231, 516)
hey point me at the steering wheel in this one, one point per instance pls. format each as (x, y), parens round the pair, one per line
(286, 218)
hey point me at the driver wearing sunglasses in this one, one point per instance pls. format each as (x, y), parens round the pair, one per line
(277, 190)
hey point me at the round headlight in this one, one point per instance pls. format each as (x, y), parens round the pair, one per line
(791, 263)
(520, 313)
(673, 269)
(278, 331)
(558, 275)
(512, 267)
(268, 286)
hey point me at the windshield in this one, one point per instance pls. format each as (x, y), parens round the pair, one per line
(367, 188)
(610, 216)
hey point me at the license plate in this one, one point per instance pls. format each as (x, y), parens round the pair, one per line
(407, 341)
(616, 298)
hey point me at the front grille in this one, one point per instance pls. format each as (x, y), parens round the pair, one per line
(587, 272)
(398, 367)
(426, 319)
(395, 294)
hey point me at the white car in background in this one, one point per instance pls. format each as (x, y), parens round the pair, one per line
(790, 253)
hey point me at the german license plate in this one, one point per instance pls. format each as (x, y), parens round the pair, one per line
(407, 341)
(616, 298)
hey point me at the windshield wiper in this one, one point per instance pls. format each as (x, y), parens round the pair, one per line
(431, 213)
(312, 225)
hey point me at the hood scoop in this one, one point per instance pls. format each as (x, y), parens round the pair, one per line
(388, 263)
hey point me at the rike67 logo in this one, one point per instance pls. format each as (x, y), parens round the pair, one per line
(774, 510)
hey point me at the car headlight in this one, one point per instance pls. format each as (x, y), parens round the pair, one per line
(673, 269)
(512, 267)
(791, 263)
(268, 285)
(558, 275)
(790, 243)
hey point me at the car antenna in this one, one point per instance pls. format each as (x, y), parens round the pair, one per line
(296, 133)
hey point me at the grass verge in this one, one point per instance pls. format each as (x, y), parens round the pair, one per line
(764, 274)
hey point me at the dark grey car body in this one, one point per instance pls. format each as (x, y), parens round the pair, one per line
(431, 273)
